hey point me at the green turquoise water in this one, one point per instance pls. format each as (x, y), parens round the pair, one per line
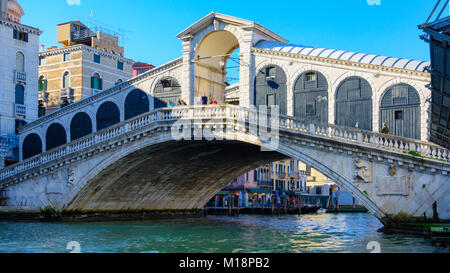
(247, 233)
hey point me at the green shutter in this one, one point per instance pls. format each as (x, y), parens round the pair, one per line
(92, 82)
(100, 83)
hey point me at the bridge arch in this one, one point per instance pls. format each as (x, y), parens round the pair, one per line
(353, 103)
(213, 48)
(400, 110)
(311, 96)
(31, 146)
(166, 88)
(80, 126)
(136, 103)
(108, 114)
(55, 136)
(190, 162)
(271, 87)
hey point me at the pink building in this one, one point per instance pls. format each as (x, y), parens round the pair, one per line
(139, 68)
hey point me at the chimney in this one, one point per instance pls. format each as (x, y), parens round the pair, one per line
(3, 9)
(42, 48)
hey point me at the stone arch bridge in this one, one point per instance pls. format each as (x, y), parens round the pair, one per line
(176, 159)
(115, 151)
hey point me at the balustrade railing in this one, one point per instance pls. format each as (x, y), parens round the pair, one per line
(241, 115)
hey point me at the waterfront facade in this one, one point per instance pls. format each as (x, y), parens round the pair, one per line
(88, 62)
(18, 78)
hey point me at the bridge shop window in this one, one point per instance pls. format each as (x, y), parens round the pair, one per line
(354, 103)
(80, 126)
(400, 111)
(311, 96)
(136, 103)
(270, 87)
(167, 89)
(108, 114)
(32, 145)
(55, 137)
(96, 82)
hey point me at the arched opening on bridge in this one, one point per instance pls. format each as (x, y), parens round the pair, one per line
(55, 137)
(400, 110)
(270, 87)
(354, 103)
(80, 126)
(215, 55)
(167, 90)
(136, 103)
(108, 114)
(311, 96)
(32, 145)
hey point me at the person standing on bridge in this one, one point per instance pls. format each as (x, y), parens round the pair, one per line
(384, 129)
(204, 100)
(169, 104)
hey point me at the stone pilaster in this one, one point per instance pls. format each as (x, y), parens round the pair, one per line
(246, 70)
(187, 81)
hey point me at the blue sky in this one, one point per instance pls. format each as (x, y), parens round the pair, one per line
(388, 29)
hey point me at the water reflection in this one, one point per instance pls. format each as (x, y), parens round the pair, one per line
(252, 233)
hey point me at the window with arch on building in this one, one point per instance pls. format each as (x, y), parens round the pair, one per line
(66, 80)
(20, 94)
(20, 62)
(96, 82)
(270, 88)
(119, 81)
(42, 83)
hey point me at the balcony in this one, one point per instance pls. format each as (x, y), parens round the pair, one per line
(20, 110)
(66, 93)
(43, 96)
(20, 77)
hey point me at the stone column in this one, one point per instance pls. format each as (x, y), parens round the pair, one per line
(246, 70)
(188, 72)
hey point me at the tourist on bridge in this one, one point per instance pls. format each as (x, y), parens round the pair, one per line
(213, 101)
(204, 100)
(384, 129)
(169, 104)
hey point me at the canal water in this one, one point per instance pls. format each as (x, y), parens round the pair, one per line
(246, 233)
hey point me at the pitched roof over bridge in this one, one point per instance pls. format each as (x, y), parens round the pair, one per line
(344, 55)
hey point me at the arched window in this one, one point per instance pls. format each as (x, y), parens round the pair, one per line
(55, 137)
(311, 96)
(119, 81)
(20, 94)
(42, 83)
(400, 110)
(96, 82)
(32, 145)
(20, 62)
(108, 114)
(80, 126)
(354, 103)
(167, 89)
(136, 103)
(66, 80)
(270, 87)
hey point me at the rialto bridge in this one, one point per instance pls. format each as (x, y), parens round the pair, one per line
(119, 150)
